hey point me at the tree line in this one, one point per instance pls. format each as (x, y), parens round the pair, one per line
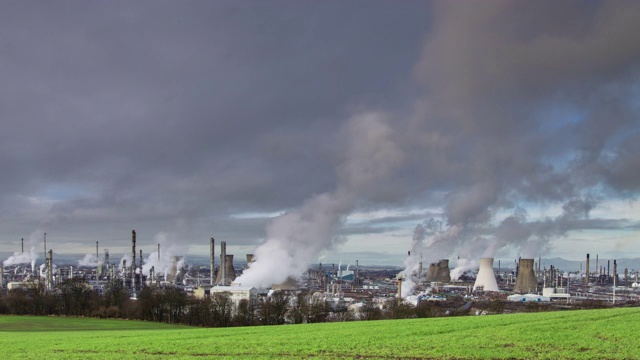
(74, 297)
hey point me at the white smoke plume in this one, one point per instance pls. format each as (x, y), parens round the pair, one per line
(462, 266)
(89, 260)
(170, 247)
(296, 238)
(412, 262)
(22, 258)
(26, 257)
(125, 257)
(43, 270)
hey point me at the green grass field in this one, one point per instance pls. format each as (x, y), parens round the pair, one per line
(586, 334)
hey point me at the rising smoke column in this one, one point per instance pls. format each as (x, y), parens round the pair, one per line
(525, 113)
(412, 262)
(170, 247)
(26, 257)
(510, 114)
(89, 260)
(296, 238)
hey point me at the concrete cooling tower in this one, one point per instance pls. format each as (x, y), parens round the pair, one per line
(526, 280)
(439, 271)
(486, 278)
(227, 271)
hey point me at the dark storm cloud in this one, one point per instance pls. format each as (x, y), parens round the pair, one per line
(153, 113)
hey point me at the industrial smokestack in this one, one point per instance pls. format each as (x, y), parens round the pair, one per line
(50, 270)
(1, 277)
(22, 245)
(399, 291)
(158, 251)
(140, 274)
(587, 271)
(615, 269)
(45, 245)
(223, 263)
(212, 261)
(526, 279)
(97, 254)
(486, 278)
(133, 259)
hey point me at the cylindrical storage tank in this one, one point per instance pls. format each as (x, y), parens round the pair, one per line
(486, 278)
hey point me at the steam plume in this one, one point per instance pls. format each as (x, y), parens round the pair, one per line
(296, 238)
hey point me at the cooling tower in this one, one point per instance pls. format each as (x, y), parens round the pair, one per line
(526, 280)
(486, 278)
(250, 259)
(439, 271)
(229, 272)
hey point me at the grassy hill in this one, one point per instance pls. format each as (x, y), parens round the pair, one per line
(585, 334)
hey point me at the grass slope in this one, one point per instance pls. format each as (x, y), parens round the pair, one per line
(591, 334)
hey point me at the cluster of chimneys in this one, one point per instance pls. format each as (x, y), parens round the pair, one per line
(226, 273)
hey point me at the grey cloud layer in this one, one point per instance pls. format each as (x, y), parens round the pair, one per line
(160, 111)
(171, 116)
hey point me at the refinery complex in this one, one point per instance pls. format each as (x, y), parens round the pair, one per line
(522, 280)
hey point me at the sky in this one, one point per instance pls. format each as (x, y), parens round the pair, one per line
(322, 130)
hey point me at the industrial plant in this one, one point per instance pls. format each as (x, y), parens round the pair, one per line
(340, 288)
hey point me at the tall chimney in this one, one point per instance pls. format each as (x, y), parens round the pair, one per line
(608, 268)
(399, 291)
(158, 251)
(586, 278)
(124, 273)
(97, 254)
(50, 270)
(1, 277)
(212, 261)
(133, 259)
(615, 268)
(223, 262)
(140, 274)
(45, 245)
(22, 245)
